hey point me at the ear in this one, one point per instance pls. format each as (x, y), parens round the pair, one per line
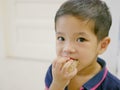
(103, 44)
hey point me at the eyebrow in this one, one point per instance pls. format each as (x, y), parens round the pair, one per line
(82, 33)
(79, 33)
(59, 33)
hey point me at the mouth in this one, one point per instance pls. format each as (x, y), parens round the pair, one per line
(73, 59)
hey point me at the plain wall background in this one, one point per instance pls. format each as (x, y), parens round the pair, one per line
(1, 31)
(20, 74)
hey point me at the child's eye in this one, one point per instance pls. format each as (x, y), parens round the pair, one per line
(60, 38)
(80, 39)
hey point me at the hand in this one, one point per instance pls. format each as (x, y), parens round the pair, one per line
(60, 71)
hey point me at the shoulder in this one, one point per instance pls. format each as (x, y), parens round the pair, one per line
(113, 78)
(48, 77)
(112, 81)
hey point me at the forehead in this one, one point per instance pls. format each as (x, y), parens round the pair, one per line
(69, 23)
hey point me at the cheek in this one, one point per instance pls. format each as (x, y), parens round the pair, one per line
(87, 56)
(87, 53)
(58, 49)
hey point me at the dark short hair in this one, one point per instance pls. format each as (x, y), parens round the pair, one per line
(95, 10)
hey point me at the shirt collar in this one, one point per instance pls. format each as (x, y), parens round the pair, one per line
(93, 83)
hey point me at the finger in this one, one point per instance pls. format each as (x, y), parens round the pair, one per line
(63, 59)
(57, 60)
(60, 61)
(54, 64)
(72, 74)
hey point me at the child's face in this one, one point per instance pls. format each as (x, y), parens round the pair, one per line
(75, 39)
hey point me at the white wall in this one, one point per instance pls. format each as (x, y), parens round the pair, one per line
(1, 31)
(20, 74)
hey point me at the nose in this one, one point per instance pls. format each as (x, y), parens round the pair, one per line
(69, 48)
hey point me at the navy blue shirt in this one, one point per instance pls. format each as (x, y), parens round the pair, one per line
(104, 80)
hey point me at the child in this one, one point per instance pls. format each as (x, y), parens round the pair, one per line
(82, 28)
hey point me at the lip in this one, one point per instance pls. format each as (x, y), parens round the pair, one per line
(73, 59)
